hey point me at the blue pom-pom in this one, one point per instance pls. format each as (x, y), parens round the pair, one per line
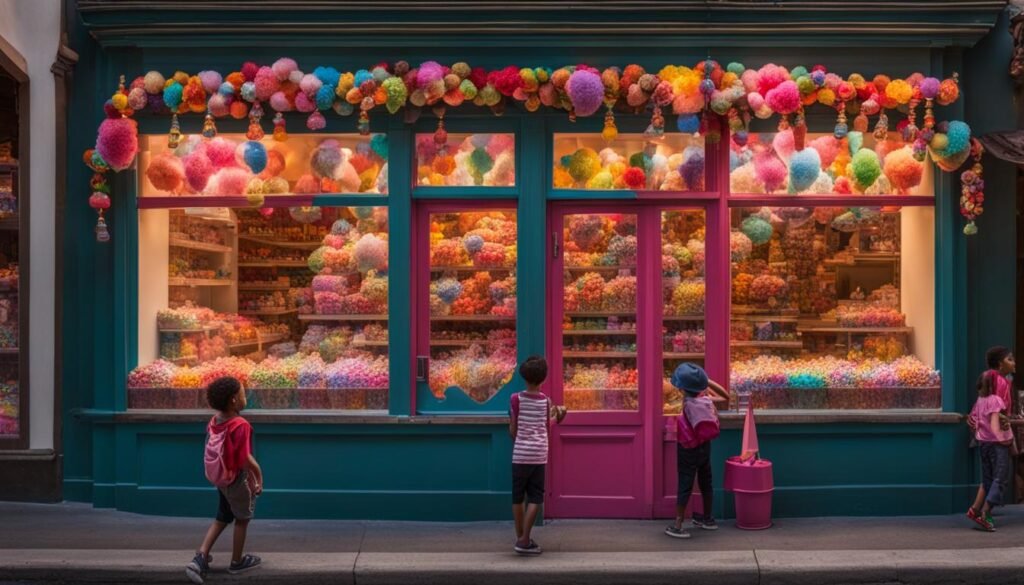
(226, 89)
(688, 123)
(327, 75)
(804, 168)
(818, 77)
(255, 156)
(379, 145)
(341, 227)
(959, 135)
(325, 97)
(856, 141)
(449, 289)
(734, 160)
(248, 91)
(692, 170)
(172, 95)
(741, 137)
(565, 160)
(361, 76)
(736, 68)
(473, 243)
(380, 74)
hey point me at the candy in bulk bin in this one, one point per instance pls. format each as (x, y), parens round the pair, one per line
(687, 298)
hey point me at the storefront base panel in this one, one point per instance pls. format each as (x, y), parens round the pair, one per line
(461, 472)
(30, 476)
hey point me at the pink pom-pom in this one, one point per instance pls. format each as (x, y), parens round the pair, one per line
(428, 73)
(884, 147)
(228, 182)
(500, 143)
(784, 98)
(211, 80)
(755, 101)
(688, 103)
(783, 143)
(749, 79)
(771, 171)
(929, 87)
(279, 102)
(198, 169)
(548, 94)
(266, 83)
(426, 149)
(307, 184)
(870, 107)
(165, 172)
(218, 105)
(283, 67)
(828, 149)
(586, 92)
(221, 153)
(310, 84)
(137, 98)
(842, 186)
(316, 121)
(249, 70)
(118, 142)
(904, 171)
(769, 77)
(303, 103)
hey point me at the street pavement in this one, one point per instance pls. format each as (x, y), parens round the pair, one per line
(75, 543)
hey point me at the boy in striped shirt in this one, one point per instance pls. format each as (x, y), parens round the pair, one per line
(529, 417)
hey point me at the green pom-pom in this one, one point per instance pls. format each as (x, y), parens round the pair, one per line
(468, 89)
(736, 68)
(602, 180)
(379, 145)
(757, 229)
(805, 84)
(396, 93)
(641, 161)
(865, 168)
(970, 229)
(583, 164)
(798, 72)
(479, 163)
(316, 260)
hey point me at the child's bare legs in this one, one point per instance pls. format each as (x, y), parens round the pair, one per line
(680, 516)
(523, 532)
(519, 513)
(238, 544)
(212, 534)
(979, 500)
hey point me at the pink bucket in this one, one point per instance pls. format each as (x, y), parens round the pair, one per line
(752, 485)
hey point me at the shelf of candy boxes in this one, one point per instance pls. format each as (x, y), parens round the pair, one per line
(235, 330)
(251, 256)
(683, 344)
(608, 386)
(357, 381)
(834, 383)
(480, 294)
(273, 303)
(768, 333)
(465, 338)
(186, 269)
(611, 325)
(340, 295)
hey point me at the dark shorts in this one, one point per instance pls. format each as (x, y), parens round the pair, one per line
(527, 483)
(995, 471)
(236, 501)
(691, 463)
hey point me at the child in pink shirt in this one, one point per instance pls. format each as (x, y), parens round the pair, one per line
(994, 445)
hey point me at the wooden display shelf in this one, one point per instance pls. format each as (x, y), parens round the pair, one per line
(258, 341)
(309, 317)
(480, 318)
(180, 281)
(274, 264)
(599, 354)
(598, 332)
(203, 329)
(615, 268)
(774, 318)
(269, 312)
(183, 360)
(600, 313)
(683, 318)
(856, 330)
(437, 269)
(374, 343)
(467, 342)
(682, 355)
(268, 286)
(768, 344)
(307, 245)
(201, 246)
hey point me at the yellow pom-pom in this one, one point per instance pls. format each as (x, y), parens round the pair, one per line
(939, 142)
(609, 133)
(255, 199)
(120, 101)
(826, 96)
(562, 180)
(899, 91)
(437, 179)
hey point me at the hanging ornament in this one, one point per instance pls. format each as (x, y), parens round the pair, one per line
(440, 135)
(799, 130)
(102, 234)
(209, 126)
(656, 129)
(255, 131)
(860, 123)
(783, 122)
(910, 131)
(280, 134)
(972, 186)
(572, 114)
(610, 132)
(174, 136)
(882, 126)
(364, 123)
(841, 129)
(316, 121)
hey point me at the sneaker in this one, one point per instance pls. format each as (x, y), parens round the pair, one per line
(247, 563)
(707, 523)
(531, 549)
(676, 532)
(196, 569)
(983, 523)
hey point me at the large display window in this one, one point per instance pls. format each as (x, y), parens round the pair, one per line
(466, 160)
(671, 162)
(291, 301)
(833, 307)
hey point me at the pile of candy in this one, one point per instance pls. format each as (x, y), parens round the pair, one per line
(685, 341)
(741, 288)
(869, 316)
(768, 287)
(600, 376)
(186, 317)
(9, 424)
(767, 372)
(885, 347)
(477, 371)
(609, 324)
(687, 298)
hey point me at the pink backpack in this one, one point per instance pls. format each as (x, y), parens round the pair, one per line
(214, 461)
(704, 427)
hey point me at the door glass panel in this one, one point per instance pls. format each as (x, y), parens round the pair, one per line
(600, 312)
(472, 301)
(682, 280)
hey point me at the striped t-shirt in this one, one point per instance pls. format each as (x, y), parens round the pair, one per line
(531, 416)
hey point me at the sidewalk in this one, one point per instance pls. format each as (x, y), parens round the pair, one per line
(74, 543)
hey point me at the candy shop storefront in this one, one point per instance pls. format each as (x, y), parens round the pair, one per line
(372, 233)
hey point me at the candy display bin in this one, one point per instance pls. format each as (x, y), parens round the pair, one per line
(752, 484)
(313, 398)
(165, 398)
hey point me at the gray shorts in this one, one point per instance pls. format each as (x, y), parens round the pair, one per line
(237, 500)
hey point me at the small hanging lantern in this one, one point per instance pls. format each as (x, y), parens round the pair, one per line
(610, 131)
(364, 123)
(255, 131)
(209, 126)
(972, 185)
(841, 129)
(440, 135)
(910, 131)
(174, 136)
(799, 130)
(882, 126)
(280, 133)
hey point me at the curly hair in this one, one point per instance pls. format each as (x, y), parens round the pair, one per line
(220, 392)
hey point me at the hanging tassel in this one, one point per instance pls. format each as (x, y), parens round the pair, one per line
(882, 127)
(209, 126)
(610, 131)
(316, 121)
(364, 123)
(440, 134)
(255, 131)
(174, 136)
(280, 134)
(799, 130)
(841, 129)
(102, 234)
(572, 114)
(925, 135)
(910, 131)
(656, 129)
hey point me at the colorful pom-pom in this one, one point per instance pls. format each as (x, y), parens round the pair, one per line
(770, 171)
(757, 229)
(198, 169)
(165, 172)
(903, 170)
(253, 155)
(634, 178)
(804, 168)
(230, 181)
(586, 92)
(783, 98)
(172, 95)
(221, 152)
(283, 68)
(326, 158)
(865, 168)
(688, 123)
(153, 82)
(118, 142)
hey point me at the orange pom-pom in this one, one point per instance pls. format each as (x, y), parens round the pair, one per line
(239, 109)
(949, 91)
(444, 165)
(236, 79)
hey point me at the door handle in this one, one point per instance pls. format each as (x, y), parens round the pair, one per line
(422, 368)
(554, 245)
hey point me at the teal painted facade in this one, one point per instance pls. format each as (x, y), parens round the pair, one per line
(449, 460)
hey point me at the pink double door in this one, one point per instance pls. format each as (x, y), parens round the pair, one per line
(627, 305)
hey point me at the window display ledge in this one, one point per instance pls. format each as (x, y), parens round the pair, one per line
(734, 420)
(352, 417)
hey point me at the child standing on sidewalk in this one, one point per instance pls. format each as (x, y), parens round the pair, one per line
(697, 426)
(231, 467)
(529, 420)
(994, 445)
(1001, 367)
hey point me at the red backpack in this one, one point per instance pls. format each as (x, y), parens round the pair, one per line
(214, 460)
(705, 426)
